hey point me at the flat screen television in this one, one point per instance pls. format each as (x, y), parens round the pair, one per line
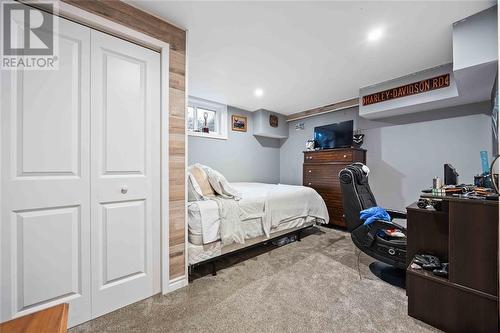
(337, 135)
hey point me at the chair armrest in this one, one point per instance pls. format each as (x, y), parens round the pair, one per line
(396, 214)
(365, 234)
(381, 224)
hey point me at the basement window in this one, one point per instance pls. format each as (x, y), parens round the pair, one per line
(203, 114)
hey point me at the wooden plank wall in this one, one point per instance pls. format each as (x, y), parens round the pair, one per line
(138, 20)
(324, 109)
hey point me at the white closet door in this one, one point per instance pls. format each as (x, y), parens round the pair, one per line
(45, 183)
(125, 186)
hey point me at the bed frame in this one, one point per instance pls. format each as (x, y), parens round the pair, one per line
(262, 240)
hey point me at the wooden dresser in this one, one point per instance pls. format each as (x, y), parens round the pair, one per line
(321, 172)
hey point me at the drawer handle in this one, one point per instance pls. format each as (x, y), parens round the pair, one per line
(345, 156)
(309, 184)
(309, 171)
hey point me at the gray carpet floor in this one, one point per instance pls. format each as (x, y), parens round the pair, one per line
(309, 286)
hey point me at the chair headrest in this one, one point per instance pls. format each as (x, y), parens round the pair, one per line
(358, 170)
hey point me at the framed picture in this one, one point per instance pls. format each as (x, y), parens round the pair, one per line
(239, 123)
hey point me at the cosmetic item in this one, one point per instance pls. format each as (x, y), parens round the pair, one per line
(437, 183)
(484, 162)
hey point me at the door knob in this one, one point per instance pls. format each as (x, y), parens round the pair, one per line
(124, 189)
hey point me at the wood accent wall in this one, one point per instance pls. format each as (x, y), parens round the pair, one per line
(143, 22)
(324, 109)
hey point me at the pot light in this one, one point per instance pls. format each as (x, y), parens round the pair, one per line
(375, 34)
(258, 92)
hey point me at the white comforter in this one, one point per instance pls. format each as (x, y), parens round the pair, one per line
(287, 202)
(274, 204)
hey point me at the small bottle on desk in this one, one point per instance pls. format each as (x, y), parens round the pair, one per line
(436, 186)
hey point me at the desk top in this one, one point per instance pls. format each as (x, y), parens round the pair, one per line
(51, 320)
(430, 210)
(460, 198)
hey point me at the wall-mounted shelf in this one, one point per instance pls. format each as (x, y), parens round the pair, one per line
(262, 124)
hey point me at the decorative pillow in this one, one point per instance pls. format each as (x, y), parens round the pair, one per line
(200, 182)
(194, 190)
(220, 184)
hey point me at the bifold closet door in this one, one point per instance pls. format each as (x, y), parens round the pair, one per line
(45, 183)
(125, 172)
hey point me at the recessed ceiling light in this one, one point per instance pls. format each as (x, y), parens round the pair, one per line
(258, 92)
(375, 34)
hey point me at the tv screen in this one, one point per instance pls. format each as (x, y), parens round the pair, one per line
(334, 136)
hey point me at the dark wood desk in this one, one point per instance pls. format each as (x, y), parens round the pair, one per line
(465, 234)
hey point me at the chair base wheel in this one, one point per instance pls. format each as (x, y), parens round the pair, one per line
(390, 274)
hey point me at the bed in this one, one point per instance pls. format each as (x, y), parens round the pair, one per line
(266, 211)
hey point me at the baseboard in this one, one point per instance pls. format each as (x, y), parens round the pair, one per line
(177, 283)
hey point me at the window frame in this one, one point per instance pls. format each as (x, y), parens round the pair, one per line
(220, 117)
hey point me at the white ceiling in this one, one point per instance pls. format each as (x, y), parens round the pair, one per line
(307, 54)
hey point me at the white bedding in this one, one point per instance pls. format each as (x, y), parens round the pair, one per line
(263, 207)
(200, 252)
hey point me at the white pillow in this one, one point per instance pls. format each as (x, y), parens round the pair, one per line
(194, 190)
(220, 184)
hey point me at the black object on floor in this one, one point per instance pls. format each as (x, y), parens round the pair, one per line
(285, 240)
(427, 261)
(442, 271)
(390, 274)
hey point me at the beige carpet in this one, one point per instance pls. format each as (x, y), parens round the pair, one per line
(308, 286)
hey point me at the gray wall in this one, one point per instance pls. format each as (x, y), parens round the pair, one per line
(404, 153)
(242, 157)
(475, 39)
(263, 128)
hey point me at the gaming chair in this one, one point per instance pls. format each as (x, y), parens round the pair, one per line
(357, 196)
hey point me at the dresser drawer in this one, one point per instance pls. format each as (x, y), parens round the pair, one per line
(318, 173)
(331, 193)
(336, 216)
(328, 156)
(322, 173)
(317, 182)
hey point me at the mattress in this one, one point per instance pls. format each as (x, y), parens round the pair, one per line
(209, 212)
(204, 221)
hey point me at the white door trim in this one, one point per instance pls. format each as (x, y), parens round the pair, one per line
(97, 22)
(186, 147)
